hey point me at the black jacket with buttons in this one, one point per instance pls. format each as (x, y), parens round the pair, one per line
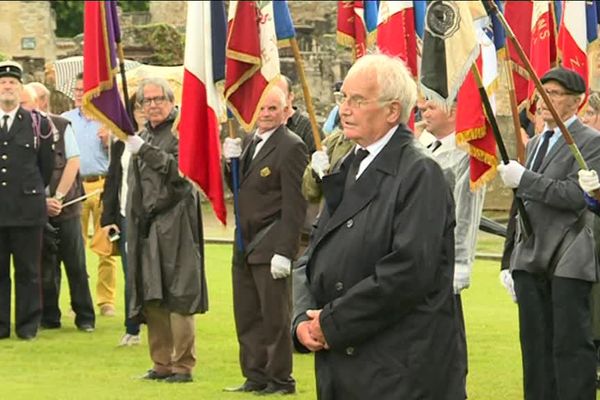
(26, 164)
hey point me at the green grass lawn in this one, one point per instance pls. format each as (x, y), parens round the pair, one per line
(68, 364)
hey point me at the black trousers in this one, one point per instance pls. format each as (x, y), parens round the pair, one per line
(24, 244)
(556, 337)
(262, 311)
(462, 341)
(71, 252)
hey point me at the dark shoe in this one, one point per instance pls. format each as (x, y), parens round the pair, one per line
(86, 328)
(179, 378)
(27, 336)
(247, 386)
(274, 388)
(152, 375)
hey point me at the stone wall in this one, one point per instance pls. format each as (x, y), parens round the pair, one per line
(28, 24)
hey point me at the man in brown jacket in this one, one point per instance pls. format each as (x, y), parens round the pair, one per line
(271, 211)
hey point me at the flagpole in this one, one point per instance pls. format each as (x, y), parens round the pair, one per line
(235, 184)
(307, 98)
(121, 55)
(514, 109)
(503, 153)
(563, 129)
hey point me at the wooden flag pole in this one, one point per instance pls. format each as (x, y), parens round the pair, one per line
(514, 109)
(307, 99)
(561, 125)
(489, 112)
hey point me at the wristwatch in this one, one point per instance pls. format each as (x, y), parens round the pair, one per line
(59, 196)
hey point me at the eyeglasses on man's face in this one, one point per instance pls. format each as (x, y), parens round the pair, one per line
(555, 94)
(158, 100)
(355, 101)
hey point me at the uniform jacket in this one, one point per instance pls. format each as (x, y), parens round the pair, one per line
(166, 263)
(60, 161)
(270, 193)
(562, 243)
(380, 266)
(26, 164)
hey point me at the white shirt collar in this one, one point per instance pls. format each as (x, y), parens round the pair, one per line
(374, 149)
(11, 116)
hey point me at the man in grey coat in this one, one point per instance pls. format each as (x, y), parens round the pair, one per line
(554, 268)
(164, 240)
(377, 292)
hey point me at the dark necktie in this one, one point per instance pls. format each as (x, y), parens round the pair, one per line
(5, 124)
(361, 154)
(250, 154)
(543, 149)
(433, 146)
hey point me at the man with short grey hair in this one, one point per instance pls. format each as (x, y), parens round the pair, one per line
(165, 246)
(376, 295)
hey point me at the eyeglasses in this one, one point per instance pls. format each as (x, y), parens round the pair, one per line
(590, 113)
(553, 94)
(159, 100)
(354, 101)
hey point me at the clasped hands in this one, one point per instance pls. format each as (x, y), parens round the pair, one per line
(309, 332)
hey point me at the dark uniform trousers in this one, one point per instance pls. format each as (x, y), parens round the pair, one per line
(25, 244)
(569, 335)
(71, 252)
(262, 311)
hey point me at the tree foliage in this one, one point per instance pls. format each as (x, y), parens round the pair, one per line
(69, 15)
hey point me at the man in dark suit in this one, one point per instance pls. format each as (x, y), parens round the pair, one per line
(554, 268)
(377, 295)
(26, 163)
(271, 211)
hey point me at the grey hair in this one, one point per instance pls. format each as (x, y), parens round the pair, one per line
(159, 82)
(280, 94)
(394, 79)
(41, 90)
(594, 101)
(31, 92)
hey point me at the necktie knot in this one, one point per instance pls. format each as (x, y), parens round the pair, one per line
(433, 146)
(548, 134)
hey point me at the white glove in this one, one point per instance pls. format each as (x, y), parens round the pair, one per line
(460, 284)
(506, 280)
(511, 173)
(280, 266)
(133, 143)
(232, 148)
(588, 180)
(319, 162)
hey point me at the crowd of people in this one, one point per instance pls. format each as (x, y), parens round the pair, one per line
(370, 280)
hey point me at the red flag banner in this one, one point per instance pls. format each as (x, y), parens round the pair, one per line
(518, 15)
(101, 99)
(252, 58)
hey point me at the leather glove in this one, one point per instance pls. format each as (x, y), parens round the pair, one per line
(133, 143)
(232, 148)
(319, 162)
(280, 266)
(588, 180)
(511, 173)
(507, 281)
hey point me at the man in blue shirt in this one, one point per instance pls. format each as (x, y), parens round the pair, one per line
(92, 139)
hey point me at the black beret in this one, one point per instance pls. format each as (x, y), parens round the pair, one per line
(12, 69)
(568, 79)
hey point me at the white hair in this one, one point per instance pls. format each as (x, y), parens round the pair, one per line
(393, 78)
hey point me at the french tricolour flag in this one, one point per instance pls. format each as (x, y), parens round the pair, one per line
(201, 105)
(573, 35)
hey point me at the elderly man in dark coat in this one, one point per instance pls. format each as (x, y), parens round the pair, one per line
(554, 268)
(164, 239)
(376, 304)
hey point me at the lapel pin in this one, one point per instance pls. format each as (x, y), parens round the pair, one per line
(265, 172)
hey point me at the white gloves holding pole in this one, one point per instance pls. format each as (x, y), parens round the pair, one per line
(588, 180)
(506, 280)
(511, 173)
(232, 148)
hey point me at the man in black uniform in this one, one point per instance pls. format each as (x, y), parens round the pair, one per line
(26, 163)
(65, 185)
